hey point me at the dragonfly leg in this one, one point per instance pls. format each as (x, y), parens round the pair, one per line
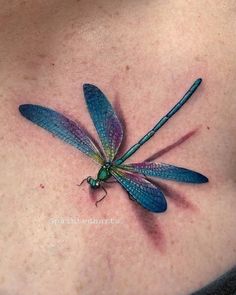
(112, 181)
(82, 182)
(130, 197)
(102, 197)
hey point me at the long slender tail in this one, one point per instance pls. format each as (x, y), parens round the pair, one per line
(163, 120)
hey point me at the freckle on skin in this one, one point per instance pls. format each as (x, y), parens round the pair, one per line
(25, 77)
(30, 254)
(27, 268)
(41, 186)
(79, 288)
(197, 58)
(60, 256)
(10, 234)
(42, 55)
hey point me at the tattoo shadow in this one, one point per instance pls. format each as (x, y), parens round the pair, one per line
(171, 146)
(148, 220)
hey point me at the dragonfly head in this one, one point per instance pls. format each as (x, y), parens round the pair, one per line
(94, 183)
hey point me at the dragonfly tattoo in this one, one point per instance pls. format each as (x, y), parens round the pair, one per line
(134, 178)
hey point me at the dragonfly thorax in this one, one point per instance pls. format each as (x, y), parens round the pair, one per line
(104, 172)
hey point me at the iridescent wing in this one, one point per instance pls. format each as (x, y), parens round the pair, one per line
(61, 127)
(144, 192)
(166, 171)
(104, 119)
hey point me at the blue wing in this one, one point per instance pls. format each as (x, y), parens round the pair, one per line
(104, 119)
(166, 171)
(144, 192)
(63, 128)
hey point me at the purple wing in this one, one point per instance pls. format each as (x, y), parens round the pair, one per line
(166, 171)
(144, 192)
(63, 128)
(104, 119)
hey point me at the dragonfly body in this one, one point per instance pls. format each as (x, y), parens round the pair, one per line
(133, 177)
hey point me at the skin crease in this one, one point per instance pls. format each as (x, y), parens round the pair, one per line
(144, 55)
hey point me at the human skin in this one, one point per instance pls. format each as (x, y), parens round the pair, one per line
(143, 55)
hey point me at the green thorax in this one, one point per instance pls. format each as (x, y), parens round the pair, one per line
(104, 173)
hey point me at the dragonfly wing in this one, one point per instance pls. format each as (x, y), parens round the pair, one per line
(61, 127)
(104, 119)
(143, 191)
(166, 171)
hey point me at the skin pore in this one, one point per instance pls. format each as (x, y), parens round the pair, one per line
(143, 55)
